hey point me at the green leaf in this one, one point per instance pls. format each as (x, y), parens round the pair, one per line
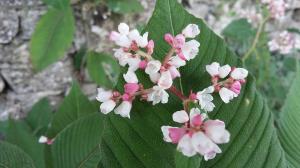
(11, 156)
(79, 58)
(20, 134)
(78, 145)
(289, 124)
(59, 4)
(240, 30)
(103, 69)
(74, 106)
(125, 6)
(39, 117)
(138, 142)
(53, 35)
(182, 161)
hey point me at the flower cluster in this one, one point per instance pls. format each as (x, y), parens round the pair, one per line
(284, 42)
(276, 8)
(199, 134)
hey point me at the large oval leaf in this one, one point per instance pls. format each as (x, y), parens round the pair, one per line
(12, 156)
(78, 145)
(53, 35)
(289, 124)
(138, 142)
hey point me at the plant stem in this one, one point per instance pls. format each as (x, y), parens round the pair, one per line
(177, 93)
(143, 54)
(256, 39)
(168, 56)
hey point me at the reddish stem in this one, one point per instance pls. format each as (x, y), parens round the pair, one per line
(178, 93)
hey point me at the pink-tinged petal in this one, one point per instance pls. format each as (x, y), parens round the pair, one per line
(215, 130)
(165, 81)
(197, 120)
(169, 39)
(143, 64)
(176, 134)
(239, 73)
(174, 72)
(191, 31)
(180, 116)
(179, 41)
(150, 47)
(113, 36)
(203, 145)
(236, 87)
(185, 146)
(180, 55)
(131, 88)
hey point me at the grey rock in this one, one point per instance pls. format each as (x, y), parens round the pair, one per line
(2, 85)
(29, 20)
(9, 25)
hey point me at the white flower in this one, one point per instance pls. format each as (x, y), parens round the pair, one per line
(133, 63)
(103, 95)
(123, 28)
(205, 146)
(180, 116)
(205, 99)
(215, 130)
(43, 139)
(157, 95)
(285, 42)
(153, 67)
(154, 77)
(185, 146)
(107, 106)
(142, 41)
(174, 72)
(226, 94)
(239, 74)
(191, 31)
(190, 49)
(165, 81)
(130, 77)
(122, 56)
(176, 61)
(124, 109)
(214, 69)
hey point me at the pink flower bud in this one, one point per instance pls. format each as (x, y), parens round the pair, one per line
(236, 87)
(143, 64)
(197, 120)
(169, 39)
(150, 47)
(131, 88)
(179, 41)
(116, 94)
(50, 141)
(126, 97)
(193, 96)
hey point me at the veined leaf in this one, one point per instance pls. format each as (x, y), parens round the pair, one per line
(289, 124)
(103, 69)
(12, 156)
(78, 145)
(53, 35)
(138, 142)
(74, 106)
(39, 117)
(19, 133)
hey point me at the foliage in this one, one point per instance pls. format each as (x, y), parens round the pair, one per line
(84, 138)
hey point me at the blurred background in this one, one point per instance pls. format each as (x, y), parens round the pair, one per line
(21, 87)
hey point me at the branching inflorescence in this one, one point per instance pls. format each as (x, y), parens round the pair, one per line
(198, 134)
